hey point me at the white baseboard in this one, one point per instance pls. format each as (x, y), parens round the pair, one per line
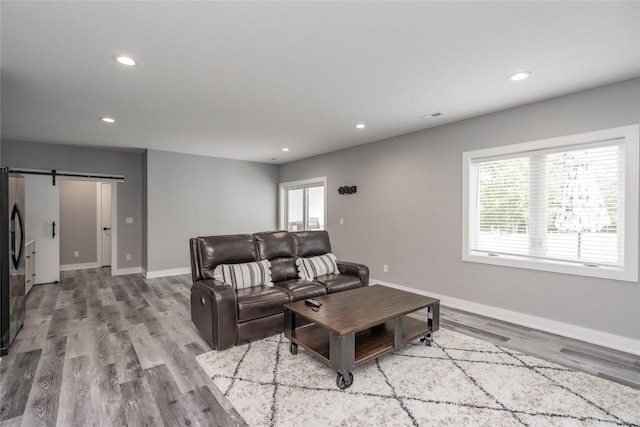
(125, 271)
(165, 273)
(617, 342)
(82, 266)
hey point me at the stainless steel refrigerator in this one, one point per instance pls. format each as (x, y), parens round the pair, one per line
(12, 240)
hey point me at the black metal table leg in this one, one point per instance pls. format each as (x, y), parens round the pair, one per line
(289, 326)
(342, 350)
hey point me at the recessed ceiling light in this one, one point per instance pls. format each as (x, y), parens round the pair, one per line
(285, 149)
(125, 60)
(520, 75)
(360, 126)
(108, 119)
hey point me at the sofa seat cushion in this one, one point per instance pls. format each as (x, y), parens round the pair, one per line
(338, 282)
(301, 289)
(260, 301)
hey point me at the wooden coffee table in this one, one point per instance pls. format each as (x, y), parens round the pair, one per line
(353, 327)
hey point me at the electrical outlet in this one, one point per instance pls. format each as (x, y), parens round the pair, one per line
(128, 220)
(385, 268)
(341, 221)
(128, 257)
(76, 254)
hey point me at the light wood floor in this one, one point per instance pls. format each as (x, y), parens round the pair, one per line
(97, 350)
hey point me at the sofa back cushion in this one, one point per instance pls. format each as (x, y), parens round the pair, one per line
(274, 244)
(311, 243)
(277, 247)
(229, 249)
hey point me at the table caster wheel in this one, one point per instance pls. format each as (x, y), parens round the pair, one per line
(427, 340)
(344, 382)
(293, 348)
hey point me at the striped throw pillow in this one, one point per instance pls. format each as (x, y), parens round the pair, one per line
(244, 275)
(312, 267)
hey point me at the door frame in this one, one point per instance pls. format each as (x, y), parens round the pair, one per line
(114, 233)
(114, 225)
(99, 222)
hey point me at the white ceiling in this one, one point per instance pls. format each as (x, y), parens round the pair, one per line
(242, 80)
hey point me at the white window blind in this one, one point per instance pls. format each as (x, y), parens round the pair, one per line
(556, 202)
(554, 205)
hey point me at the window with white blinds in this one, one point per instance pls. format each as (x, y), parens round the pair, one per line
(568, 204)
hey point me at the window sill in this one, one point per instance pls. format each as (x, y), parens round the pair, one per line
(603, 272)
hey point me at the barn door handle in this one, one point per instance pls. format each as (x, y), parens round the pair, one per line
(53, 232)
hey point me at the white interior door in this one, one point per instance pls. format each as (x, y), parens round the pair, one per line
(106, 224)
(42, 206)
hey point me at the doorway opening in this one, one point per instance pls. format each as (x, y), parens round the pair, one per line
(86, 231)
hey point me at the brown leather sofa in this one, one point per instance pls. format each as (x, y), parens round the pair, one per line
(225, 316)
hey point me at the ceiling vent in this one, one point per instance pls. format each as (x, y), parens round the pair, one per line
(429, 116)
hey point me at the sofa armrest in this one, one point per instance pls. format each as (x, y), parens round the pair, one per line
(214, 312)
(359, 270)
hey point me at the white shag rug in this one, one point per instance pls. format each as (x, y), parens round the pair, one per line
(459, 381)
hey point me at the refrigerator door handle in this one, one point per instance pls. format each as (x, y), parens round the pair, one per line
(16, 212)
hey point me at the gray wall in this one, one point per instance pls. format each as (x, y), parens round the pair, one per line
(407, 212)
(190, 196)
(34, 155)
(78, 222)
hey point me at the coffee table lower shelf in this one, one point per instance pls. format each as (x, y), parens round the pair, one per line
(368, 343)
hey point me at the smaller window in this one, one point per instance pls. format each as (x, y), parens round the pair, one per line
(567, 204)
(303, 204)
